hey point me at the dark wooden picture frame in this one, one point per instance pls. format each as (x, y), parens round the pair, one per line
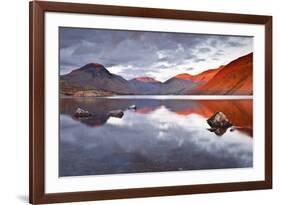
(37, 193)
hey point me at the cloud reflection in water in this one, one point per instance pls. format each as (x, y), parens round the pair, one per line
(160, 140)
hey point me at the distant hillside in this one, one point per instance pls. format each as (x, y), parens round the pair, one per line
(236, 78)
(207, 75)
(178, 84)
(145, 85)
(94, 79)
(184, 82)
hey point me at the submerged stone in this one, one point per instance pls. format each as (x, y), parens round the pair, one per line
(132, 107)
(218, 131)
(116, 113)
(81, 113)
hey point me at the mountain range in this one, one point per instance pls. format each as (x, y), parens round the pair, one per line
(94, 79)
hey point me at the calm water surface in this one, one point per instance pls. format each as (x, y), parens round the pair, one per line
(159, 135)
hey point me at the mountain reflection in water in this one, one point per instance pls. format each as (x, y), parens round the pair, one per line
(159, 135)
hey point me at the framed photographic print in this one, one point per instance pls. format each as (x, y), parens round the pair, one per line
(139, 102)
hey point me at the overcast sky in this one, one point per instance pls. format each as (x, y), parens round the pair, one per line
(155, 54)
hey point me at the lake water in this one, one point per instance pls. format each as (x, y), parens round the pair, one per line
(159, 135)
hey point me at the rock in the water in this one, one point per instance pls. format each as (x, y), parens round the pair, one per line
(116, 113)
(219, 120)
(81, 113)
(218, 131)
(132, 107)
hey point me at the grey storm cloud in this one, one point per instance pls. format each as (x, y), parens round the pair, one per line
(138, 52)
(218, 53)
(204, 49)
(199, 60)
(235, 44)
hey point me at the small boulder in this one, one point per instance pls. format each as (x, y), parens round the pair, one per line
(116, 113)
(219, 120)
(81, 113)
(132, 107)
(218, 131)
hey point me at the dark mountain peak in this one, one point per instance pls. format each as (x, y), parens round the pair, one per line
(92, 66)
(95, 69)
(145, 79)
